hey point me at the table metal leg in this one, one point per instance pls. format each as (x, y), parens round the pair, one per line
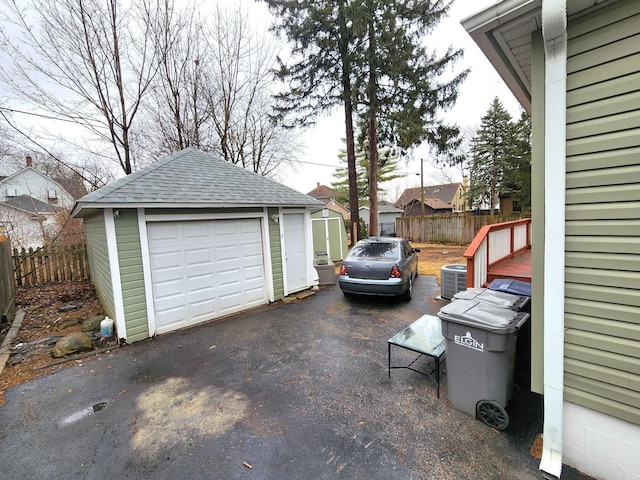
(437, 362)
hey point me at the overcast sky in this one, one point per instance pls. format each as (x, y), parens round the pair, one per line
(323, 142)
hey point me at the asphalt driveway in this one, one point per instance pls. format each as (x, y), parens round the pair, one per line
(287, 391)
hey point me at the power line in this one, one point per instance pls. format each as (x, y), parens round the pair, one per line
(318, 164)
(13, 110)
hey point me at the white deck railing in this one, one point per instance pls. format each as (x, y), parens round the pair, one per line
(492, 245)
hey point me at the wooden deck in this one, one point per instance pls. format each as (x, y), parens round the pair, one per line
(517, 267)
(500, 250)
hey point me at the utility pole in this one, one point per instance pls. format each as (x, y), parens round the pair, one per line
(422, 186)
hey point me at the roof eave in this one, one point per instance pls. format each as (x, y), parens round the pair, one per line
(93, 206)
(485, 28)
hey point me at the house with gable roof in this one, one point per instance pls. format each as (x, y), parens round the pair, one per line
(30, 202)
(445, 198)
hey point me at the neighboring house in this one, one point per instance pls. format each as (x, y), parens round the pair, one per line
(328, 196)
(27, 222)
(387, 215)
(452, 194)
(329, 234)
(191, 238)
(432, 206)
(29, 204)
(338, 208)
(575, 67)
(323, 193)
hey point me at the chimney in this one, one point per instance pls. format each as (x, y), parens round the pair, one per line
(318, 185)
(29, 161)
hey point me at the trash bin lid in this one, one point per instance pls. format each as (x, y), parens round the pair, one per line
(493, 297)
(482, 315)
(511, 285)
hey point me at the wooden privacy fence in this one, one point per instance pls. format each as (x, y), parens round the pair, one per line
(50, 264)
(454, 229)
(7, 290)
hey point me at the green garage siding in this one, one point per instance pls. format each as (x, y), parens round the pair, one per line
(276, 255)
(131, 275)
(602, 307)
(98, 254)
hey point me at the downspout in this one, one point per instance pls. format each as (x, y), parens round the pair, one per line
(554, 32)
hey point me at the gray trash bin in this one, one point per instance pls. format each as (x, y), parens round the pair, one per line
(480, 341)
(493, 297)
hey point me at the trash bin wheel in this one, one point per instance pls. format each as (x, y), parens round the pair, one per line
(492, 413)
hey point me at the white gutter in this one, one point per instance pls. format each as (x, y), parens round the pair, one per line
(554, 31)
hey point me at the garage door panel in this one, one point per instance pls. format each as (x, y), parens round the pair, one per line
(228, 253)
(198, 256)
(166, 260)
(161, 232)
(205, 269)
(227, 278)
(199, 283)
(253, 273)
(230, 302)
(170, 289)
(253, 297)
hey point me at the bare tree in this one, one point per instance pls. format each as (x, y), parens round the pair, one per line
(239, 93)
(177, 108)
(214, 91)
(90, 62)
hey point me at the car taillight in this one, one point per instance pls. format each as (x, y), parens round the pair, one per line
(343, 269)
(395, 272)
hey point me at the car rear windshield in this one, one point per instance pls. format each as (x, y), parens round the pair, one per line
(375, 250)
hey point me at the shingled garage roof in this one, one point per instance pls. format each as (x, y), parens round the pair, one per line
(192, 178)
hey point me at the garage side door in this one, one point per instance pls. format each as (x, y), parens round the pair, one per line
(205, 269)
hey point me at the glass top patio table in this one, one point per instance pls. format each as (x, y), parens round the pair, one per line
(424, 336)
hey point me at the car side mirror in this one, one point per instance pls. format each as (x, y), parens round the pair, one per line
(417, 250)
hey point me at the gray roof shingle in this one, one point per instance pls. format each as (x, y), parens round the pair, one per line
(30, 204)
(194, 178)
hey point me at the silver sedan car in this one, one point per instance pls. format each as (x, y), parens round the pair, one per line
(380, 266)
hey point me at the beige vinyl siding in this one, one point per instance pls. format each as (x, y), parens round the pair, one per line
(98, 254)
(276, 255)
(602, 271)
(131, 275)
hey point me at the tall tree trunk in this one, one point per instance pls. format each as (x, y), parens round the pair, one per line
(373, 136)
(348, 120)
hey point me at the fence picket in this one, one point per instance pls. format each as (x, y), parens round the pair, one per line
(50, 264)
(454, 229)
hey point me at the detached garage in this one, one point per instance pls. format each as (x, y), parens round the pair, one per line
(192, 238)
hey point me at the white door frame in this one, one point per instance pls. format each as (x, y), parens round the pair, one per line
(308, 247)
(144, 219)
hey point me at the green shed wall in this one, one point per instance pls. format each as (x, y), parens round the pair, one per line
(131, 275)
(276, 255)
(98, 254)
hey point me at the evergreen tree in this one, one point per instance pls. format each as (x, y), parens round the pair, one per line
(401, 85)
(500, 159)
(369, 55)
(319, 74)
(387, 165)
(518, 178)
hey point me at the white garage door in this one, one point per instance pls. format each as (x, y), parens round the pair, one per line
(205, 269)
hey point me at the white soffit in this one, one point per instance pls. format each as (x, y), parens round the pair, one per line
(503, 33)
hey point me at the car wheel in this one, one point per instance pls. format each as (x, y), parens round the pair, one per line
(407, 292)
